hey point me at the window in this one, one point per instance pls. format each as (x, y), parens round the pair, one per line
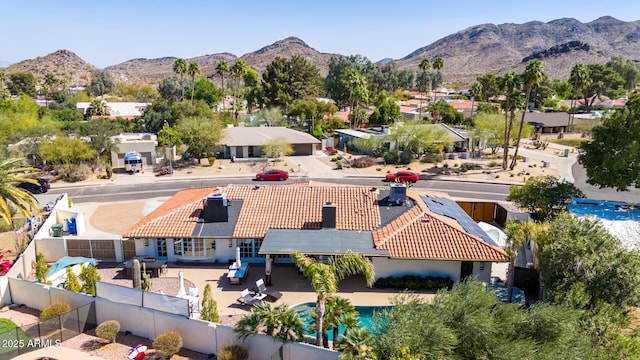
(177, 246)
(198, 247)
(210, 246)
(187, 246)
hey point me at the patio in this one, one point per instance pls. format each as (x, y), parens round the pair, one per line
(295, 288)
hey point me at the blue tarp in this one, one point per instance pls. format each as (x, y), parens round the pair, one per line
(65, 261)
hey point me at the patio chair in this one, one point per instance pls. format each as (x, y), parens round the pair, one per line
(246, 298)
(261, 288)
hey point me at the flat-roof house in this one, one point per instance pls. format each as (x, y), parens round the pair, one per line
(144, 143)
(403, 231)
(247, 142)
(125, 110)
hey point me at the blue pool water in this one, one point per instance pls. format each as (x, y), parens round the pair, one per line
(608, 210)
(366, 314)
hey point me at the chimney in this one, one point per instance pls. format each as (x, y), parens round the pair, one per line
(328, 215)
(215, 208)
(397, 193)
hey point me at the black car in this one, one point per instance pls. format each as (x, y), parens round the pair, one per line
(41, 187)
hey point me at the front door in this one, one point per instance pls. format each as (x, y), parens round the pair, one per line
(161, 248)
(466, 269)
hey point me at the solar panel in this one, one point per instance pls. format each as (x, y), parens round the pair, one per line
(450, 208)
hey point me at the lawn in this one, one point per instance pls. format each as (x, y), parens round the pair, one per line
(569, 142)
(11, 337)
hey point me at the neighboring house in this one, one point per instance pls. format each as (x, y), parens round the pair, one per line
(247, 142)
(125, 110)
(548, 122)
(144, 143)
(460, 138)
(403, 231)
(603, 101)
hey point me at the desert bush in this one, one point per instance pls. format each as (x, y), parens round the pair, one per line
(77, 173)
(339, 164)
(470, 166)
(168, 343)
(492, 163)
(234, 352)
(108, 330)
(53, 310)
(431, 158)
(363, 162)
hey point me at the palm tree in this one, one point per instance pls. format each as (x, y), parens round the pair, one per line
(11, 196)
(532, 76)
(325, 276)
(476, 91)
(581, 78)
(518, 234)
(180, 68)
(97, 107)
(279, 322)
(425, 65)
(358, 344)
(193, 70)
(510, 82)
(438, 65)
(238, 71)
(222, 68)
(336, 311)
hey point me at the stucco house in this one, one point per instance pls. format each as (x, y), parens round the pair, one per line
(246, 142)
(403, 231)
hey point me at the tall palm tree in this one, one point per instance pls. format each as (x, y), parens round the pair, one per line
(532, 76)
(238, 71)
(510, 83)
(518, 234)
(325, 276)
(438, 65)
(476, 92)
(336, 311)
(222, 69)
(193, 70)
(580, 77)
(279, 322)
(425, 66)
(11, 196)
(180, 68)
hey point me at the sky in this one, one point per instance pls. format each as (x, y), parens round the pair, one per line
(105, 33)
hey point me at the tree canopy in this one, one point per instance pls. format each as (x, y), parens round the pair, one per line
(101, 83)
(286, 80)
(199, 134)
(610, 159)
(544, 196)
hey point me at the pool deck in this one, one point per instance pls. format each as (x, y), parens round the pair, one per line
(295, 288)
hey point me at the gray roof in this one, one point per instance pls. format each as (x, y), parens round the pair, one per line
(552, 119)
(219, 229)
(258, 136)
(319, 242)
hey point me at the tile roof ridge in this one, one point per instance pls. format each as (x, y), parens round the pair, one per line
(403, 225)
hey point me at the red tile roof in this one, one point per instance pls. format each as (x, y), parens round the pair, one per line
(416, 234)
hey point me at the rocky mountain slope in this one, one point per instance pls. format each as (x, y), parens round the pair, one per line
(64, 64)
(468, 53)
(498, 48)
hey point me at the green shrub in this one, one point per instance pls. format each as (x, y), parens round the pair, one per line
(55, 309)
(42, 269)
(234, 352)
(168, 343)
(470, 166)
(492, 163)
(108, 330)
(414, 282)
(339, 164)
(406, 157)
(390, 157)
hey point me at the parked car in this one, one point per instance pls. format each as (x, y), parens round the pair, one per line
(41, 187)
(404, 175)
(273, 175)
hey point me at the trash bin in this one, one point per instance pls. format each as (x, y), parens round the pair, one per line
(73, 229)
(57, 230)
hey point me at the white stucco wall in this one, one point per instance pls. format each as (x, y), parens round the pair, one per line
(386, 267)
(482, 275)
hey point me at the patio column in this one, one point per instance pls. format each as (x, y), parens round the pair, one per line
(267, 270)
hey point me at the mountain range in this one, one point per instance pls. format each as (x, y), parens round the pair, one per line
(469, 53)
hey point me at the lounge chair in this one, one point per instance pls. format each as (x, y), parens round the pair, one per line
(261, 288)
(246, 298)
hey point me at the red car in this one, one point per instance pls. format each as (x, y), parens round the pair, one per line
(273, 175)
(406, 176)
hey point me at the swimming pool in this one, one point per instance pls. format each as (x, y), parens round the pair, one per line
(366, 313)
(608, 210)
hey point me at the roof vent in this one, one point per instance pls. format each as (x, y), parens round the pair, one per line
(398, 193)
